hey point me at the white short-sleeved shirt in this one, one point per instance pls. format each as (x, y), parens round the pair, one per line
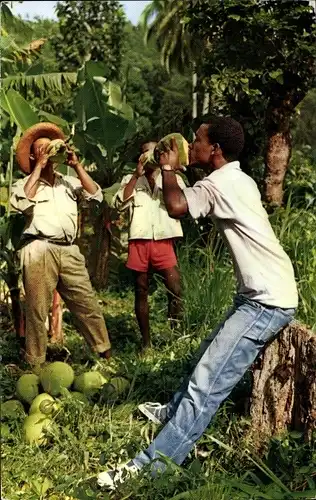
(148, 215)
(53, 211)
(263, 270)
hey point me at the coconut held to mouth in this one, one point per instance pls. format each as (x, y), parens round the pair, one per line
(152, 156)
(56, 149)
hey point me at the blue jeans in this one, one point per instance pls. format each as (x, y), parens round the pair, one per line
(223, 359)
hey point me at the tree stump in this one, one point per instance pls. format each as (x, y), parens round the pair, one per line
(284, 386)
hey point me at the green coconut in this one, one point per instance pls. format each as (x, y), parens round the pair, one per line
(115, 389)
(11, 409)
(79, 396)
(27, 387)
(89, 382)
(57, 151)
(43, 403)
(153, 156)
(34, 427)
(5, 432)
(56, 376)
(121, 384)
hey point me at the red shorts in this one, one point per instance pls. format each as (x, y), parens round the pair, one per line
(143, 254)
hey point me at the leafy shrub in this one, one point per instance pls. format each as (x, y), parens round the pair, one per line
(300, 182)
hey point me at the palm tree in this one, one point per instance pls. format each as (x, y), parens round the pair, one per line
(163, 21)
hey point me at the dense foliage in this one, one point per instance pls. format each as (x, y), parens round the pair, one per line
(161, 100)
(90, 30)
(258, 62)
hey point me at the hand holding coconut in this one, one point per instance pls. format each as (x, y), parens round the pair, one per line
(139, 172)
(140, 169)
(42, 158)
(86, 181)
(72, 159)
(172, 151)
(170, 156)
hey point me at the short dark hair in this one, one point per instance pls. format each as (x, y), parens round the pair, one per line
(140, 150)
(147, 142)
(229, 134)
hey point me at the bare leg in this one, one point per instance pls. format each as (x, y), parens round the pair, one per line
(172, 282)
(56, 319)
(141, 305)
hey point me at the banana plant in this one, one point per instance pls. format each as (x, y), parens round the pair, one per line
(105, 124)
(105, 134)
(11, 227)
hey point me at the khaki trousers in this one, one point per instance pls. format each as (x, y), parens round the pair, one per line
(46, 267)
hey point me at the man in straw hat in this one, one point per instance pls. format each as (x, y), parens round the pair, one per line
(49, 258)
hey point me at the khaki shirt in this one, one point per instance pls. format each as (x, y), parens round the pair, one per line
(263, 270)
(148, 215)
(53, 211)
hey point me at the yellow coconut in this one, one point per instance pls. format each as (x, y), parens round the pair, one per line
(34, 428)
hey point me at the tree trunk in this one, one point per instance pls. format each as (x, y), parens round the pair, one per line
(277, 159)
(284, 388)
(101, 246)
(206, 103)
(55, 320)
(194, 94)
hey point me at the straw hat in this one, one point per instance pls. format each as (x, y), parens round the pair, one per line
(37, 131)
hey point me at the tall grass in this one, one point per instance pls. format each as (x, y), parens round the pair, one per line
(207, 274)
(296, 229)
(208, 284)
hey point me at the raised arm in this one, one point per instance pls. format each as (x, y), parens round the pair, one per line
(130, 186)
(86, 181)
(175, 201)
(198, 200)
(32, 183)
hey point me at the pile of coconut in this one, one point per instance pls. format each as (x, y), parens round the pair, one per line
(40, 397)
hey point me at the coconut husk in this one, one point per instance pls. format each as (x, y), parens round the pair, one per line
(23, 150)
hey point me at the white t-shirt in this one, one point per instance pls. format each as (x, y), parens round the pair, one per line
(263, 270)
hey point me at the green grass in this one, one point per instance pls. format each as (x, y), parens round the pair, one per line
(297, 232)
(86, 440)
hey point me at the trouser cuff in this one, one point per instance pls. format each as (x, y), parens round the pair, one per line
(102, 347)
(35, 360)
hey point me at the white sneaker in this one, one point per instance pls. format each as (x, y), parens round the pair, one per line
(155, 412)
(112, 478)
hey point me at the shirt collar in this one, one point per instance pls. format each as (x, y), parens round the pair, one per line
(232, 165)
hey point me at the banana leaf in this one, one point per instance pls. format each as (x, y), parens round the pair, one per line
(105, 119)
(18, 109)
